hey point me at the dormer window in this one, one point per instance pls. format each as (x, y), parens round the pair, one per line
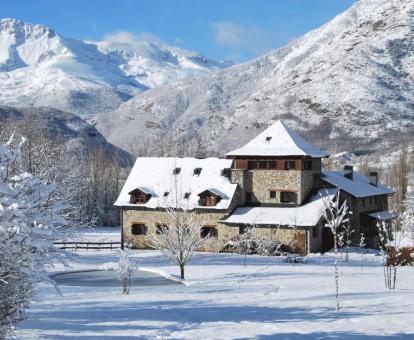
(208, 198)
(176, 171)
(139, 196)
(187, 195)
(197, 171)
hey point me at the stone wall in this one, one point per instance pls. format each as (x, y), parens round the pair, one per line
(261, 182)
(151, 218)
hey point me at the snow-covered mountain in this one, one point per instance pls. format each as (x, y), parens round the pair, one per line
(39, 67)
(347, 85)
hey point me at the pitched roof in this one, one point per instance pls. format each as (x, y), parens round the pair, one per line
(306, 215)
(156, 176)
(278, 140)
(359, 186)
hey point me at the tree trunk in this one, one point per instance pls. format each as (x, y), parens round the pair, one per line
(182, 271)
(336, 271)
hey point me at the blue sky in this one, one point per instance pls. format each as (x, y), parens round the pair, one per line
(221, 29)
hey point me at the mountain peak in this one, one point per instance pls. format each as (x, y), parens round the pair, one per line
(19, 28)
(39, 67)
(347, 85)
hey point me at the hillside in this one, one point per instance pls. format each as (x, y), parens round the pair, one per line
(40, 67)
(79, 136)
(347, 86)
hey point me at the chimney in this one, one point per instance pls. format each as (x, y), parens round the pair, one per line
(349, 172)
(373, 178)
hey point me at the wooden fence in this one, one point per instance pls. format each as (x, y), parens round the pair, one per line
(75, 245)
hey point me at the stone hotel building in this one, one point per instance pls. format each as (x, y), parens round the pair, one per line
(274, 182)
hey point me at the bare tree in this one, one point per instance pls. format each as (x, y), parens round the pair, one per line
(393, 238)
(335, 214)
(362, 245)
(180, 238)
(344, 237)
(247, 241)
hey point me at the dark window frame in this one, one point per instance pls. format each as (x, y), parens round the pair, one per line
(288, 165)
(288, 197)
(209, 231)
(252, 165)
(272, 165)
(272, 193)
(138, 229)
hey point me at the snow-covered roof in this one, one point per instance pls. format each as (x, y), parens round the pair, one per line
(383, 215)
(213, 191)
(278, 140)
(156, 176)
(306, 215)
(359, 186)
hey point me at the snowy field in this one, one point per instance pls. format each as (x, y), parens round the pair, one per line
(267, 299)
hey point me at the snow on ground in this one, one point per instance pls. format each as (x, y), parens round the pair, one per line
(267, 299)
(99, 234)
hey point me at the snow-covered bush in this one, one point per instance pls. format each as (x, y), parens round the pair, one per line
(30, 219)
(126, 267)
(395, 239)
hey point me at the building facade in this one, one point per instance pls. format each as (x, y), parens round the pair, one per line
(275, 182)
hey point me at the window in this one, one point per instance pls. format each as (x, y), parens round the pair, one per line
(288, 197)
(290, 165)
(187, 195)
(138, 229)
(307, 165)
(161, 228)
(268, 138)
(166, 193)
(209, 201)
(197, 171)
(176, 171)
(262, 165)
(251, 165)
(209, 232)
(248, 196)
(272, 194)
(315, 231)
(272, 164)
(242, 229)
(139, 199)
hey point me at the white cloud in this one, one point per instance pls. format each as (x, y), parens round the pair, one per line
(238, 37)
(130, 38)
